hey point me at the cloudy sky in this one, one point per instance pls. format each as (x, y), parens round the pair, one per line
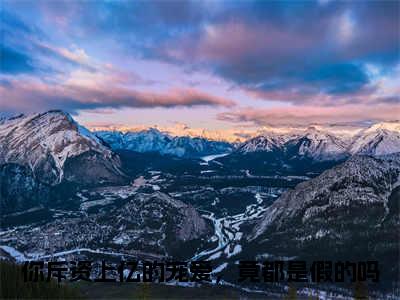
(208, 64)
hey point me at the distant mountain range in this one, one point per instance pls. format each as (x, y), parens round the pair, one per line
(41, 151)
(47, 149)
(152, 140)
(315, 143)
(379, 139)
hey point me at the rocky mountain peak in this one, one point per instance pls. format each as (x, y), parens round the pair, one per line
(44, 142)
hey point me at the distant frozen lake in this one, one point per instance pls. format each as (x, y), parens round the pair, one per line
(214, 156)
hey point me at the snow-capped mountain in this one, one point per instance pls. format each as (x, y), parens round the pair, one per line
(152, 140)
(379, 139)
(317, 145)
(265, 143)
(56, 148)
(38, 152)
(322, 145)
(312, 143)
(196, 147)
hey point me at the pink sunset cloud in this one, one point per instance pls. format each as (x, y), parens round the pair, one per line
(75, 94)
(310, 114)
(231, 42)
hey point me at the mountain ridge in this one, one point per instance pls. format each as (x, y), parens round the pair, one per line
(40, 152)
(153, 140)
(46, 142)
(378, 139)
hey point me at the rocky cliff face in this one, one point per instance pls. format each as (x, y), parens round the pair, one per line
(43, 150)
(348, 212)
(19, 189)
(361, 181)
(47, 142)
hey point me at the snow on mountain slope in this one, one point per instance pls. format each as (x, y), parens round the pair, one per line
(152, 140)
(379, 139)
(196, 147)
(362, 180)
(46, 141)
(321, 145)
(312, 143)
(316, 142)
(349, 211)
(267, 143)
